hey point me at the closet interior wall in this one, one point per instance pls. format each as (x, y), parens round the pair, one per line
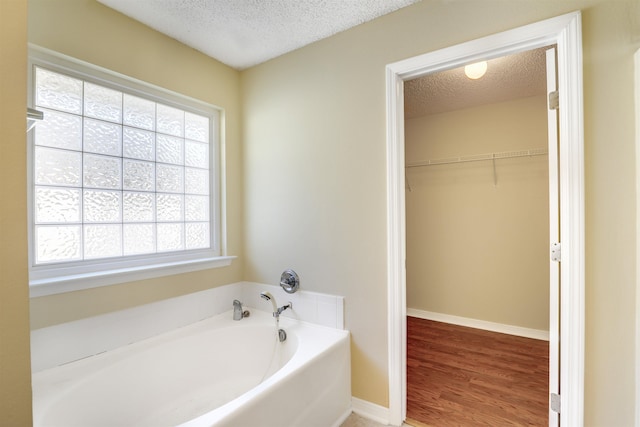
(477, 232)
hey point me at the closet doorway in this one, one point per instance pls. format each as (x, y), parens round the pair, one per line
(565, 32)
(478, 226)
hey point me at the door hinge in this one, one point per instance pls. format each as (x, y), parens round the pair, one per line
(556, 252)
(554, 402)
(554, 100)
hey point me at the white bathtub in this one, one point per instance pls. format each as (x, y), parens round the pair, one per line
(217, 372)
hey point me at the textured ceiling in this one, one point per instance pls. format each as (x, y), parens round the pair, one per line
(244, 33)
(510, 77)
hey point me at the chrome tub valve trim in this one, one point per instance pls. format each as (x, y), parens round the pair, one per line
(290, 281)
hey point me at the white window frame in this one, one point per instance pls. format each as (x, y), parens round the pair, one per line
(49, 279)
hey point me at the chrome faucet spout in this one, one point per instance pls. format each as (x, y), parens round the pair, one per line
(279, 311)
(237, 310)
(268, 297)
(276, 311)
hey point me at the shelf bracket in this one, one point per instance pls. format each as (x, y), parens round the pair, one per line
(495, 174)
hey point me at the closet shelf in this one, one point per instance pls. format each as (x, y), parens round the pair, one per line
(480, 157)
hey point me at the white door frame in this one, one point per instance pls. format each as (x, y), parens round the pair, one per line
(565, 31)
(554, 234)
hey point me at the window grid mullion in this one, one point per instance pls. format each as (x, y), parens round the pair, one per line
(122, 233)
(155, 171)
(82, 189)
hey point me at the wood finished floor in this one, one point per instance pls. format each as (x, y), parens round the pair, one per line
(458, 376)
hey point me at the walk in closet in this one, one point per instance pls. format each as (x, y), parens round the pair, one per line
(477, 217)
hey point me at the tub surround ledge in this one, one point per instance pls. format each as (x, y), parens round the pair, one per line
(59, 344)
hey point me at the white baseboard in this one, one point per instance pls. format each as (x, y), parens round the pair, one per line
(369, 410)
(537, 334)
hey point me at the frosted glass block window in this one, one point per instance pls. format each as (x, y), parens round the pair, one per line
(139, 175)
(170, 237)
(102, 241)
(196, 208)
(197, 235)
(102, 171)
(102, 103)
(170, 179)
(116, 173)
(170, 207)
(60, 130)
(139, 113)
(196, 127)
(58, 91)
(139, 239)
(196, 154)
(196, 181)
(170, 120)
(139, 207)
(139, 144)
(102, 206)
(170, 149)
(57, 243)
(102, 137)
(57, 167)
(57, 205)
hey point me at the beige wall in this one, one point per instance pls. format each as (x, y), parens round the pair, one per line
(314, 170)
(314, 152)
(86, 30)
(475, 249)
(611, 34)
(15, 372)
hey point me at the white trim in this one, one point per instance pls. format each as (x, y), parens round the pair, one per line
(554, 235)
(572, 219)
(565, 31)
(536, 334)
(62, 284)
(371, 411)
(396, 249)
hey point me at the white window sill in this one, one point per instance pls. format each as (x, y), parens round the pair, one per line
(76, 282)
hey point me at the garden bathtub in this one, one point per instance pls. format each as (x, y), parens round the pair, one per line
(216, 372)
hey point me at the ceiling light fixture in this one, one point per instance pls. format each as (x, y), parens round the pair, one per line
(477, 70)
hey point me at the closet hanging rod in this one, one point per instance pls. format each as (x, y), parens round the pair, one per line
(480, 157)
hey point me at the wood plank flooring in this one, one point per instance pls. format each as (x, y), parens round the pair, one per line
(458, 376)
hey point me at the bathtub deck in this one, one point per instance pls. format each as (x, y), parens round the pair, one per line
(464, 376)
